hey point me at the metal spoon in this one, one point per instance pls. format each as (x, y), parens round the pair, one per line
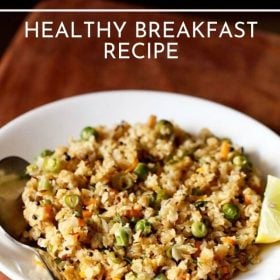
(12, 222)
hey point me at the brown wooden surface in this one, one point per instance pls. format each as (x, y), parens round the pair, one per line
(243, 74)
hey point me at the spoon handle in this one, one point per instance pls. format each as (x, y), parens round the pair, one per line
(19, 261)
(50, 264)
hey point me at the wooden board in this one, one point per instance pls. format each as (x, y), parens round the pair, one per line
(243, 74)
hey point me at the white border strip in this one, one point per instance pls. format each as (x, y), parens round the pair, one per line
(139, 10)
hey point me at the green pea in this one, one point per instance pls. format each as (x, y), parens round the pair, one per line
(46, 153)
(49, 248)
(144, 226)
(44, 184)
(199, 229)
(141, 171)
(188, 152)
(160, 196)
(231, 212)
(87, 132)
(122, 181)
(31, 169)
(122, 237)
(169, 252)
(60, 263)
(57, 260)
(120, 219)
(44, 202)
(152, 199)
(113, 257)
(172, 160)
(51, 164)
(164, 128)
(160, 276)
(197, 191)
(72, 200)
(242, 162)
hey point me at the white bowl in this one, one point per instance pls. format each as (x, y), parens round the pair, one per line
(53, 124)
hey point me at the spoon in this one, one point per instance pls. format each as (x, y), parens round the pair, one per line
(12, 222)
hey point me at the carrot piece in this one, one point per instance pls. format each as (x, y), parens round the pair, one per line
(92, 201)
(152, 121)
(81, 222)
(247, 200)
(86, 214)
(225, 149)
(198, 251)
(48, 212)
(229, 241)
(182, 276)
(133, 213)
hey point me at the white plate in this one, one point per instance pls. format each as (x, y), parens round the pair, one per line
(52, 124)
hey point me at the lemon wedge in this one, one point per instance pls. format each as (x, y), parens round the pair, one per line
(269, 227)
